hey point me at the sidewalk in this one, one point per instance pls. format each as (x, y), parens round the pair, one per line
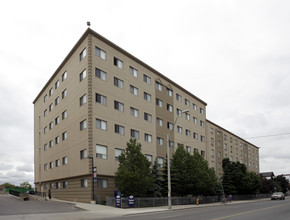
(113, 211)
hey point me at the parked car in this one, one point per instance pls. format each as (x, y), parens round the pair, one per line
(278, 195)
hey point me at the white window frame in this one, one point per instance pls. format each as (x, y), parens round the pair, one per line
(101, 124)
(101, 151)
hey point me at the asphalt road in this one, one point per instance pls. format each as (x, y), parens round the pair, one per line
(262, 209)
(13, 206)
(11, 209)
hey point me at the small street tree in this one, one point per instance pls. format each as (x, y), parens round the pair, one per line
(133, 176)
(155, 191)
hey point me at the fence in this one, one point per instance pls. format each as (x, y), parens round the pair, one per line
(163, 201)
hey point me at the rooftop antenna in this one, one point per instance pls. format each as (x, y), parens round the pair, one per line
(88, 23)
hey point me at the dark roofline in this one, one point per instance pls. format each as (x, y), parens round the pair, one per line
(232, 133)
(105, 40)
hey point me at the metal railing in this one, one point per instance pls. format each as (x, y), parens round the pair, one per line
(163, 201)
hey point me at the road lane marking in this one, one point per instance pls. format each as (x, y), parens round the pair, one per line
(244, 213)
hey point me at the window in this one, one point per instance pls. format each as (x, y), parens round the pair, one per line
(179, 129)
(195, 150)
(83, 99)
(133, 72)
(50, 165)
(119, 106)
(101, 124)
(188, 149)
(45, 113)
(45, 98)
(158, 86)
(118, 63)
(201, 111)
(187, 132)
(57, 140)
(119, 129)
(169, 92)
(211, 130)
(64, 76)
(118, 152)
(187, 116)
(83, 75)
(194, 120)
(64, 135)
(45, 147)
(225, 146)
(160, 141)
(45, 166)
(102, 183)
(159, 102)
(195, 135)
(57, 163)
(119, 83)
(83, 154)
(84, 183)
(45, 130)
(51, 185)
(50, 92)
(83, 54)
(160, 161)
(56, 84)
(169, 125)
(65, 184)
(83, 125)
(178, 97)
(147, 117)
(64, 115)
(159, 122)
(100, 53)
(133, 90)
(212, 142)
(51, 143)
(149, 158)
(178, 112)
(135, 134)
(202, 138)
(186, 102)
(134, 112)
(101, 99)
(147, 96)
(201, 123)
(194, 106)
(148, 137)
(56, 101)
(50, 107)
(64, 161)
(101, 151)
(64, 94)
(169, 107)
(171, 144)
(147, 79)
(101, 74)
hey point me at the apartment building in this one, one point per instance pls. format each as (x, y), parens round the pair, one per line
(98, 98)
(224, 144)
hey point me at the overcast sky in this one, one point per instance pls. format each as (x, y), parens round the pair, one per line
(234, 55)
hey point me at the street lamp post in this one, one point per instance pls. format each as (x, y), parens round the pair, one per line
(93, 188)
(168, 160)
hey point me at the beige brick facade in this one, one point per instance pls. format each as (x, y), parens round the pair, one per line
(100, 97)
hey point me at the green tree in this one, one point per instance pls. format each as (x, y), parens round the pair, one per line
(25, 185)
(238, 180)
(282, 182)
(155, 191)
(133, 176)
(8, 185)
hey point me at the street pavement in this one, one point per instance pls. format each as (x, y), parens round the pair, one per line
(85, 211)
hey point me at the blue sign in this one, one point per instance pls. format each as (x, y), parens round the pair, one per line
(118, 201)
(95, 174)
(131, 201)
